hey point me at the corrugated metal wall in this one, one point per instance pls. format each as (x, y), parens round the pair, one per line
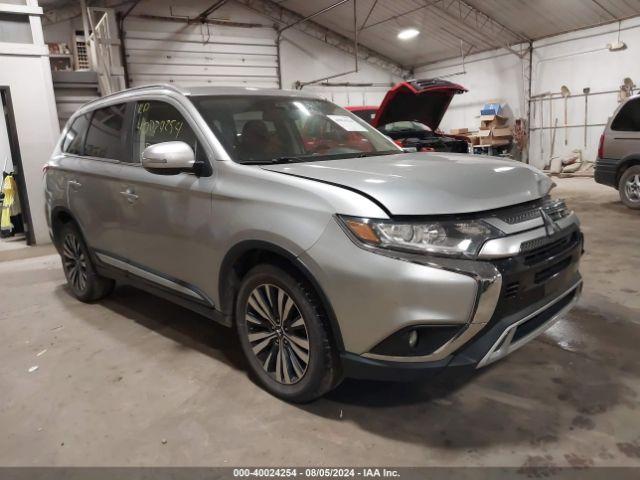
(72, 90)
(160, 51)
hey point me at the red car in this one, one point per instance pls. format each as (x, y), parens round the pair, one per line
(411, 113)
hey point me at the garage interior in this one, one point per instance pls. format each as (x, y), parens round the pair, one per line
(134, 380)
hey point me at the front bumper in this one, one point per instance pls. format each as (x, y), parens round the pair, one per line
(497, 341)
(499, 302)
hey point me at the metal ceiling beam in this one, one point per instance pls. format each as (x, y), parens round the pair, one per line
(366, 19)
(436, 34)
(494, 22)
(471, 36)
(284, 16)
(205, 13)
(605, 10)
(535, 39)
(71, 10)
(400, 15)
(481, 24)
(313, 15)
(478, 27)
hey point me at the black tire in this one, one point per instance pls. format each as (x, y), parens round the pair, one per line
(629, 187)
(82, 279)
(279, 365)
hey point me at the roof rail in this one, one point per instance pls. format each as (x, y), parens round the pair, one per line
(140, 87)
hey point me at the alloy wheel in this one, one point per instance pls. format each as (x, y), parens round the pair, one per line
(632, 188)
(277, 333)
(75, 262)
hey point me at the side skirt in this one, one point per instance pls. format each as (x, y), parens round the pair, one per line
(128, 278)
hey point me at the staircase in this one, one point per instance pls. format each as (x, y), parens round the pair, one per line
(73, 89)
(104, 50)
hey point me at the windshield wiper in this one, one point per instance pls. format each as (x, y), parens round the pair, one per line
(377, 154)
(286, 160)
(316, 158)
(272, 161)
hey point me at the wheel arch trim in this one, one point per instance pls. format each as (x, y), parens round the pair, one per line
(625, 164)
(56, 212)
(228, 283)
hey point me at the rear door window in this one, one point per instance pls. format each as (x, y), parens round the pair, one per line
(628, 118)
(105, 138)
(73, 142)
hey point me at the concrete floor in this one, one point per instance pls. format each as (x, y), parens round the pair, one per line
(135, 380)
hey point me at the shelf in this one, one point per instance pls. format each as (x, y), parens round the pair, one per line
(494, 145)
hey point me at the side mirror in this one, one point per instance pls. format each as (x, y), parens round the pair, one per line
(168, 158)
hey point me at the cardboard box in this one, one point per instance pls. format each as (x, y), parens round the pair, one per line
(459, 131)
(491, 109)
(473, 139)
(492, 121)
(494, 137)
(504, 132)
(496, 142)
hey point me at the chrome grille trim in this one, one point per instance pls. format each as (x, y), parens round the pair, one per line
(505, 344)
(512, 244)
(520, 219)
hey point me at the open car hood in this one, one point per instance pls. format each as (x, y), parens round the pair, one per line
(424, 101)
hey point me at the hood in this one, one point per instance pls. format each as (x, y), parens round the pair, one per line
(425, 101)
(429, 183)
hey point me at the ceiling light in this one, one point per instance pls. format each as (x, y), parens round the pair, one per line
(408, 33)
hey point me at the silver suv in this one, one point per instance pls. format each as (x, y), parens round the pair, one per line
(618, 163)
(330, 250)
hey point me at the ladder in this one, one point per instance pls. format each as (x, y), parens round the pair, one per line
(103, 47)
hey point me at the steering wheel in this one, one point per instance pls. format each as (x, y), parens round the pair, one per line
(322, 146)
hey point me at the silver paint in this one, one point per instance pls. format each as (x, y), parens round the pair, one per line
(183, 225)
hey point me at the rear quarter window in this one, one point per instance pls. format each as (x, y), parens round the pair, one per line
(73, 142)
(628, 118)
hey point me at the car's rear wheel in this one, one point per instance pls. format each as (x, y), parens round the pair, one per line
(629, 187)
(281, 328)
(85, 284)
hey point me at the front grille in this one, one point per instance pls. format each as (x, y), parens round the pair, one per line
(545, 274)
(511, 290)
(542, 248)
(531, 276)
(556, 209)
(521, 214)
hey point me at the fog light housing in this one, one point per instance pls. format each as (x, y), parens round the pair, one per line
(417, 340)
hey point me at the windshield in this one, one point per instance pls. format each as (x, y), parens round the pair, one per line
(405, 126)
(265, 129)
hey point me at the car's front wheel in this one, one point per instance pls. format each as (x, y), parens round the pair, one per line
(281, 327)
(629, 187)
(85, 284)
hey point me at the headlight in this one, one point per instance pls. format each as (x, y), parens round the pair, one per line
(460, 238)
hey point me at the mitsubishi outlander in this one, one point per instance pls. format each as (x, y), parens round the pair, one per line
(329, 249)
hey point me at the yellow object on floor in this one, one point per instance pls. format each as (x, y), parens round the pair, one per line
(9, 189)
